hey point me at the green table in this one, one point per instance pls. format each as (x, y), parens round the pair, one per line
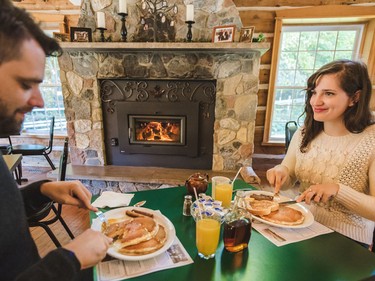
(327, 257)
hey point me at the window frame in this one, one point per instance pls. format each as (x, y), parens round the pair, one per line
(320, 15)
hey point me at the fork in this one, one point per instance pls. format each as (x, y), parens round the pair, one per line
(276, 194)
(102, 217)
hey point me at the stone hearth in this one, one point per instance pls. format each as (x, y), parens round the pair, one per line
(234, 66)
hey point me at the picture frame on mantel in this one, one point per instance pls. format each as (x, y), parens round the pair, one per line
(222, 34)
(61, 37)
(247, 33)
(80, 34)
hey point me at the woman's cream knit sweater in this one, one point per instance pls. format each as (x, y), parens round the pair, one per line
(348, 161)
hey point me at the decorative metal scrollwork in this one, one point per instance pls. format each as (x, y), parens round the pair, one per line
(118, 90)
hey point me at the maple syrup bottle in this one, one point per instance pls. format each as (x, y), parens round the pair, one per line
(237, 225)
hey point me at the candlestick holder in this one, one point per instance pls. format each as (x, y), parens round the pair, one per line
(124, 31)
(102, 39)
(189, 35)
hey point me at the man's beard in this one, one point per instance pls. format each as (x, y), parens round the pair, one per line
(8, 124)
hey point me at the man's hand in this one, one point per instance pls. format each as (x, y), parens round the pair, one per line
(68, 192)
(90, 247)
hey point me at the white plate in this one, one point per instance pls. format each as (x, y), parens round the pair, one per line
(161, 219)
(309, 218)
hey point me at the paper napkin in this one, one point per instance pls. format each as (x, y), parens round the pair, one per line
(112, 199)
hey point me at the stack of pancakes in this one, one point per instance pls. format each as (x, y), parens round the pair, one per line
(138, 235)
(271, 211)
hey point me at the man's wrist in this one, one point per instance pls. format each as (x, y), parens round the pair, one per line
(42, 186)
(72, 256)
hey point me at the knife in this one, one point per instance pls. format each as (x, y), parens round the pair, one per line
(275, 235)
(290, 202)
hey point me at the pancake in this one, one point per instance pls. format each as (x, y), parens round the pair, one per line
(285, 216)
(135, 236)
(147, 247)
(261, 207)
(115, 227)
(132, 231)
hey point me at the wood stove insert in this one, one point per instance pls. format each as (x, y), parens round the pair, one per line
(146, 129)
(157, 122)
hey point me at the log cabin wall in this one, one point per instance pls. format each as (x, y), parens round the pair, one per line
(258, 13)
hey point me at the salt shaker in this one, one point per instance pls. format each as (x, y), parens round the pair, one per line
(187, 205)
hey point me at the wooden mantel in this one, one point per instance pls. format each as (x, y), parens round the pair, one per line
(142, 46)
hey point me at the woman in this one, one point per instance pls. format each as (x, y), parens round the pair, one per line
(333, 154)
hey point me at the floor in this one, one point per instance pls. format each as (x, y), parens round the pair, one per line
(78, 219)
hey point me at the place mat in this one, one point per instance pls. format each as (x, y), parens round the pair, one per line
(114, 269)
(283, 236)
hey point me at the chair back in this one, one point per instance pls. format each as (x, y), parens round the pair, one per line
(51, 130)
(63, 161)
(6, 148)
(39, 215)
(290, 128)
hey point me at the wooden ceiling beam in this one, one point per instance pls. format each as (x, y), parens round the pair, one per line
(33, 5)
(295, 3)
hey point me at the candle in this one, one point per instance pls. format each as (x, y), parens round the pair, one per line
(122, 7)
(101, 19)
(189, 12)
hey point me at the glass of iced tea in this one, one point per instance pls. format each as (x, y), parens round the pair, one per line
(207, 234)
(222, 190)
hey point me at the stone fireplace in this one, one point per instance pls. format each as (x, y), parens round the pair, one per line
(86, 67)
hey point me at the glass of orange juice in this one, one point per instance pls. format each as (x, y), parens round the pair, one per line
(223, 190)
(207, 234)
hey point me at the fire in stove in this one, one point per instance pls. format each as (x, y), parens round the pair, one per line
(158, 130)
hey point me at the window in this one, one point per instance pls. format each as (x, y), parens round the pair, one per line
(302, 50)
(38, 120)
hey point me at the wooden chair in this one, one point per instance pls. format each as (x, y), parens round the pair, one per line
(37, 218)
(37, 149)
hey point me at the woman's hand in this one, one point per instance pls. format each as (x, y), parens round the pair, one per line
(319, 193)
(277, 176)
(90, 247)
(68, 192)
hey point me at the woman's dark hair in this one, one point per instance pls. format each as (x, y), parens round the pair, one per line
(16, 26)
(353, 78)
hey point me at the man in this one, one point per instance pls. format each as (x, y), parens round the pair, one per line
(23, 48)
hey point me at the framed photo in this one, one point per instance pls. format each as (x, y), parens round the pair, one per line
(223, 33)
(80, 34)
(61, 37)
(247, 33)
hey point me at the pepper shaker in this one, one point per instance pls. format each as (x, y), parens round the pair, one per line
(187, 205)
